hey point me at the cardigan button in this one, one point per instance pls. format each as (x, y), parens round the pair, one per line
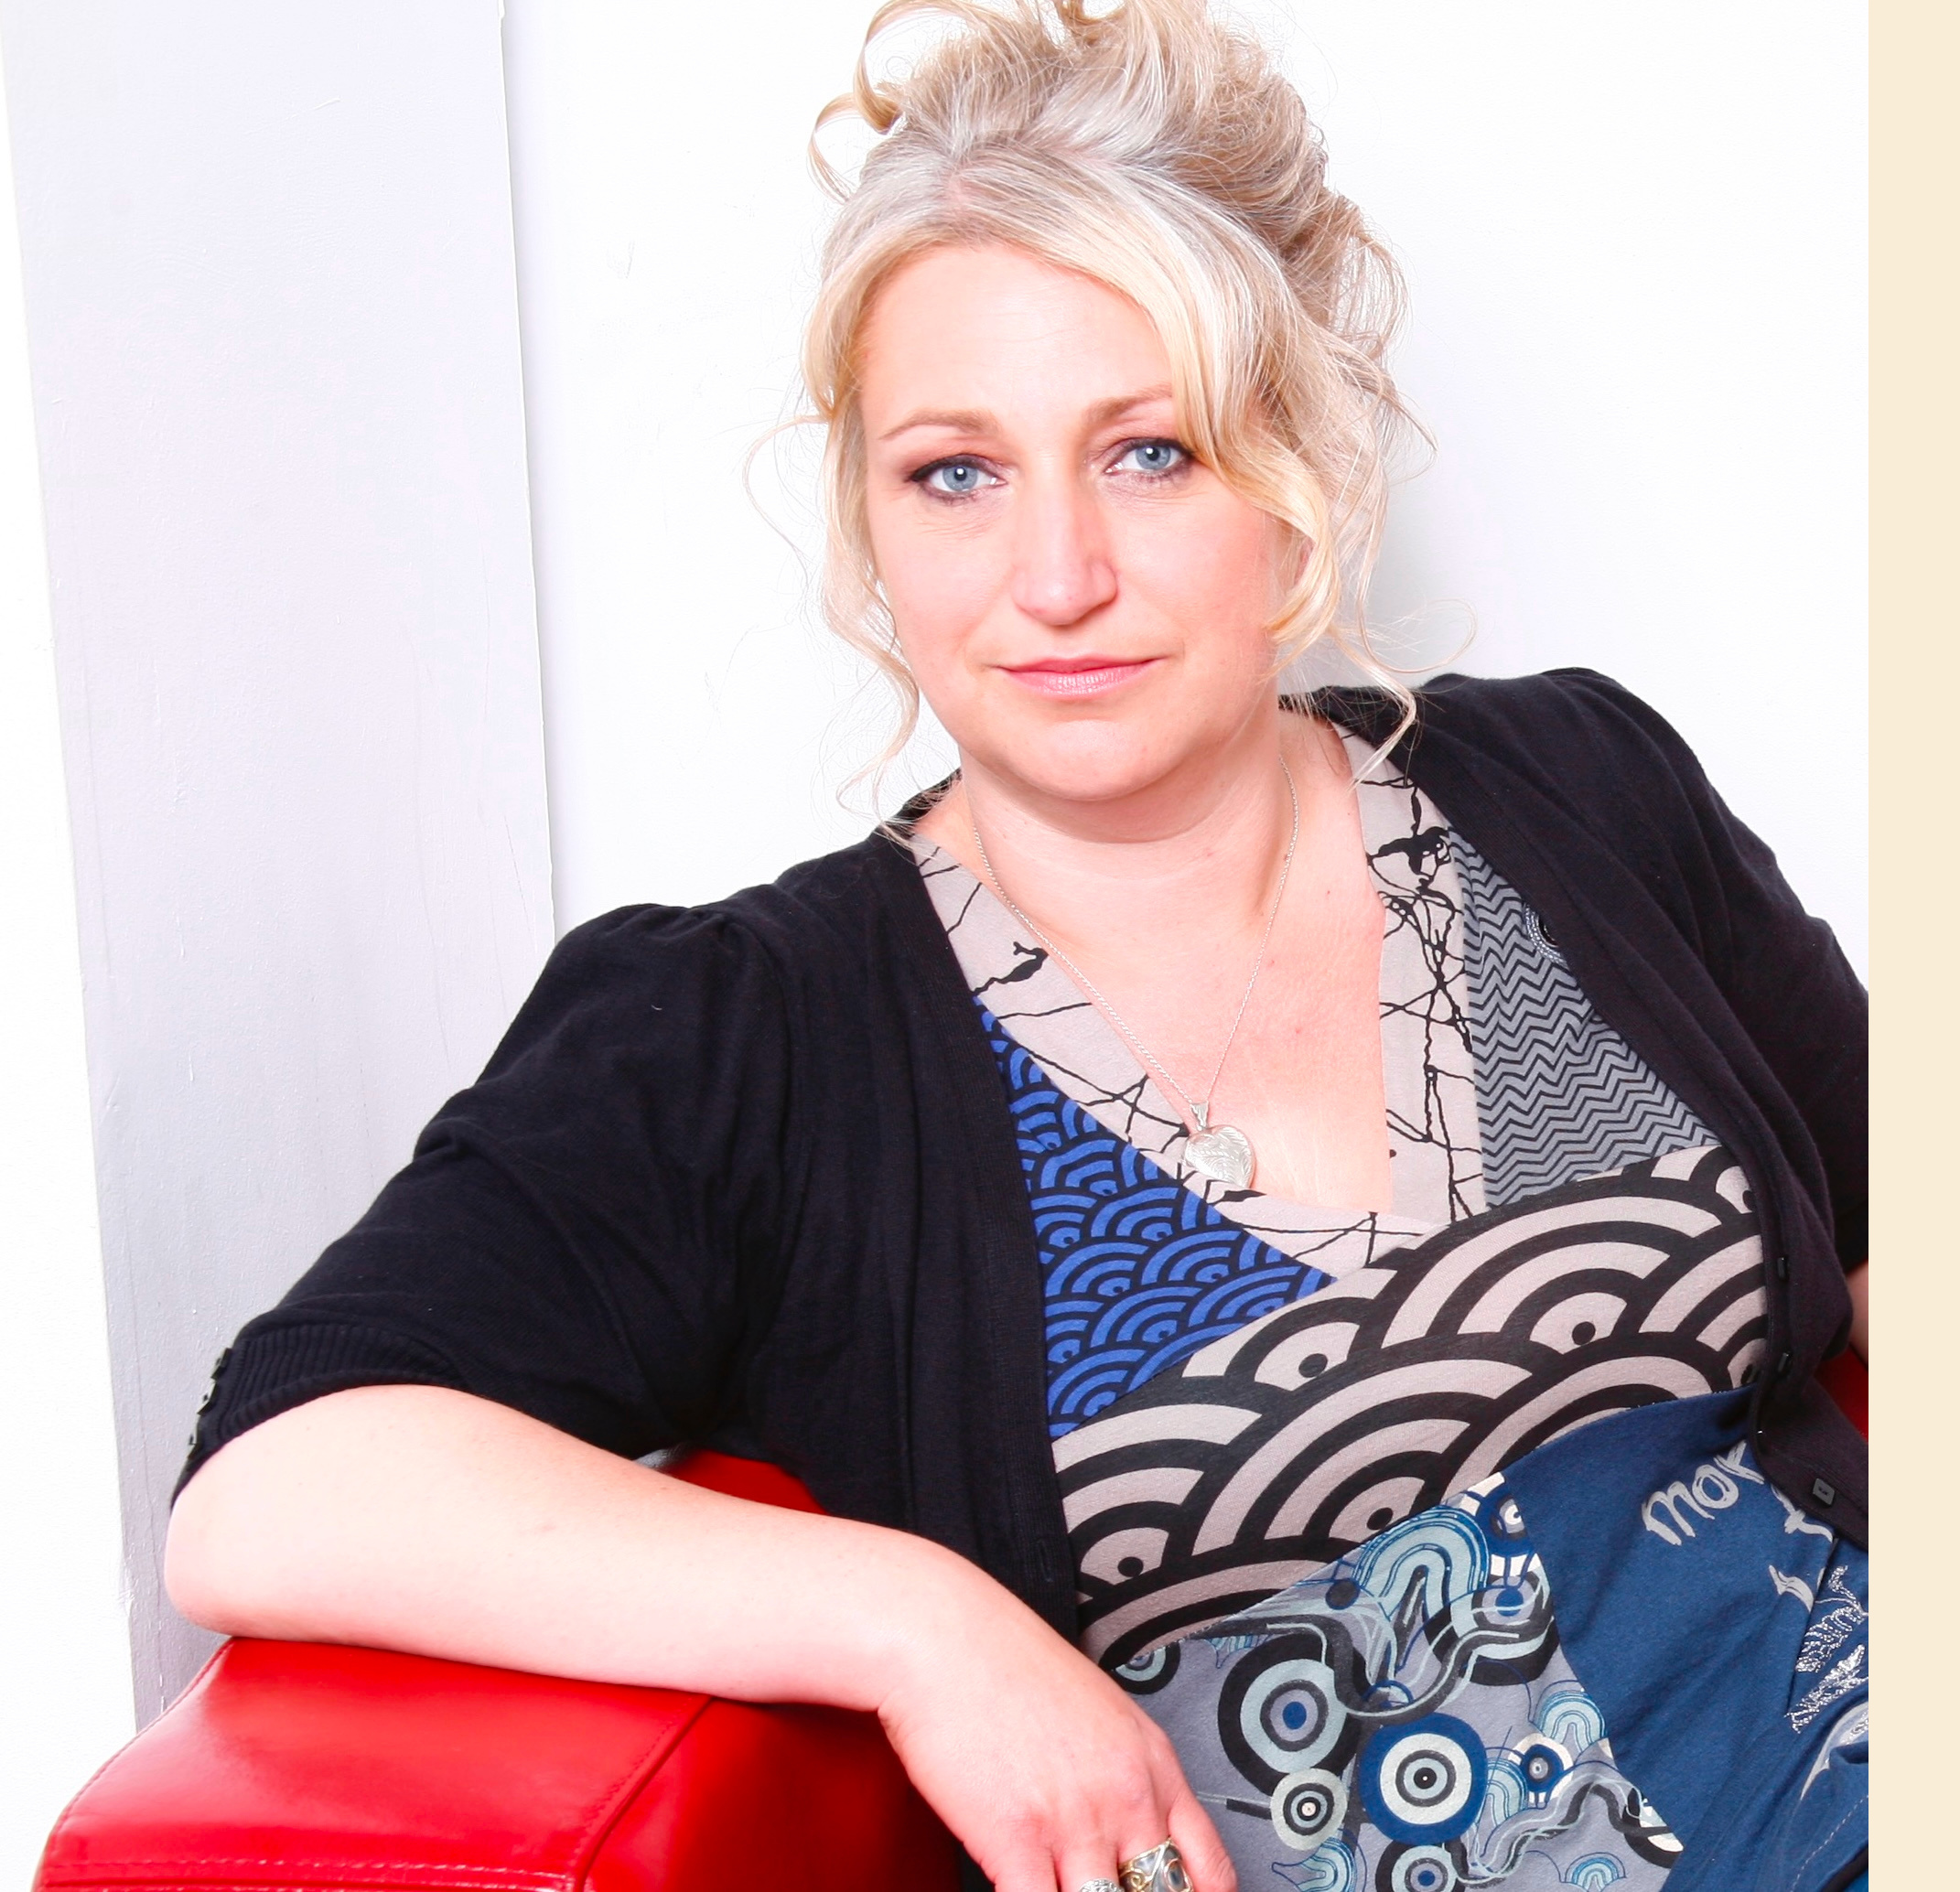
(1782, 1363)
(1783, 1268)
(1824, 1491)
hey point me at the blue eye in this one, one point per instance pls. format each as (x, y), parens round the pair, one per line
(955, 478)
(1152, 457)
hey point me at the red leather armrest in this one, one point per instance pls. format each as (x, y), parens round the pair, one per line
(290, 1765)
(1845, 1379)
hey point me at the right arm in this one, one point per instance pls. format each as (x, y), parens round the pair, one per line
(425, 1520)
(431, 1444)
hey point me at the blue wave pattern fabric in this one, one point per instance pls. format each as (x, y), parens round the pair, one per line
(1137, 1272)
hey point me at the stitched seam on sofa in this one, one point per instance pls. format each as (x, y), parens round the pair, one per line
(606, 1813)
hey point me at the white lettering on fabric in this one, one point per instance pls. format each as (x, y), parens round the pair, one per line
(1714, 1489)
(1794, 1520)
(1673, 1499)
(1713, 1486)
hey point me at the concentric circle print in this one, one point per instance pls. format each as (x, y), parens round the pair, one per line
(1544, 1764)
(1419, 1869)
(1422, 1782)
(1280, 1712)
(1146, 1674)
(1307, 1807)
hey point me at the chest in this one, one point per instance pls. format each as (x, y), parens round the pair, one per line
(1345, 1065)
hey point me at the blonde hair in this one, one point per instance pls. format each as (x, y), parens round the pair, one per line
(1162, 153)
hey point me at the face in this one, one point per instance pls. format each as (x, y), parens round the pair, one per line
(1084, 603)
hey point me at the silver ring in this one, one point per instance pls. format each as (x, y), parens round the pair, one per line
(1161, 1870)
(1099, 1885)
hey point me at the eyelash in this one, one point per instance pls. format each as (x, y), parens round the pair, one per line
(923, 477)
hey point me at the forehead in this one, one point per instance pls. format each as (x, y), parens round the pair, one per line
(999, 330)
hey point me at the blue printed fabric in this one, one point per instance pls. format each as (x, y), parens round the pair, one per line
(1625, 1661)
(1137, 1272)
(1724, 1634)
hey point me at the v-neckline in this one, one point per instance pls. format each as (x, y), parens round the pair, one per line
(1427, 1067)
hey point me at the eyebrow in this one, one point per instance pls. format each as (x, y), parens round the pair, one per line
(977, 420)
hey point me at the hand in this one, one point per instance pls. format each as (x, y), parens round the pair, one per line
(1044, 1769)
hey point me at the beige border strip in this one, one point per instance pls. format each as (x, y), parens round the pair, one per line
(1916, 954)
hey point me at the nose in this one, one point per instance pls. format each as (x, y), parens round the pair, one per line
(1062, 565)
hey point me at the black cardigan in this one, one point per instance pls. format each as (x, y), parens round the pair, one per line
(744, 1175)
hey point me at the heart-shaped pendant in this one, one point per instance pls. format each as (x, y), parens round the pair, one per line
(1221, 1153)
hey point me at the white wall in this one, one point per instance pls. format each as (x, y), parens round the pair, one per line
(272, 323)
(1634, 241)
(66, 1666)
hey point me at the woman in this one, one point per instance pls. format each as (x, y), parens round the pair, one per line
(1266, 1225)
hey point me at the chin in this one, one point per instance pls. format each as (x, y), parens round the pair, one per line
(1088, 766)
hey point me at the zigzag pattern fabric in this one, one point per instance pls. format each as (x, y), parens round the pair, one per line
(1138, 1272)
(1560, 1094)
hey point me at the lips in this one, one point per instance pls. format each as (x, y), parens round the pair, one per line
(1080, 676)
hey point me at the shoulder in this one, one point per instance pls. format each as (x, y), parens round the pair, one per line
(764, 953)
(1570, 740)
(1552, 725)
(1573, 787)
(825, 903)
(1569, 718)
(1572, 747)
(1568, 776)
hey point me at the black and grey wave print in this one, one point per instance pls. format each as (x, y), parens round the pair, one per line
(1302, 1434)
(1560, 1094)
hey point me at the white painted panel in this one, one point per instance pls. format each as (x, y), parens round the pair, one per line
(1634, 241)
(66, 1663)
(272, 317)
(666, 237)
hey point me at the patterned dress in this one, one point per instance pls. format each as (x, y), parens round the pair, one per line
(1323, 1470)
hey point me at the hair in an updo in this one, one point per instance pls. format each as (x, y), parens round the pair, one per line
(1153, 149)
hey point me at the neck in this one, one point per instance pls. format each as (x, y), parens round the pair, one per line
(1178, 871)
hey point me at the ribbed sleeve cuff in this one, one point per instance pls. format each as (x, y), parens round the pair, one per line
(269, 1370)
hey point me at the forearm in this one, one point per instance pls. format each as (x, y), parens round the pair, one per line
(1860, 1282)
(410, 1517)
(413, 1518)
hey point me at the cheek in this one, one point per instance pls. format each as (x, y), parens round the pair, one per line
(942, 584)
(1219, 568)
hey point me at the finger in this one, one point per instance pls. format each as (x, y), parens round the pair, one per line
(1205, 1859)
(1184, 1822)
(1139, 1806)
(1137, 1848)
(1078, 1867)
(1025, 1869)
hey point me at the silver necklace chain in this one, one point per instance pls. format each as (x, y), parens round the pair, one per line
(1199, 1111)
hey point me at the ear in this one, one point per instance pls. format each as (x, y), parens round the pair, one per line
(1295, 554)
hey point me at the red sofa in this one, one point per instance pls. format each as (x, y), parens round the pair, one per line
(297, 1765)
(289, 1765)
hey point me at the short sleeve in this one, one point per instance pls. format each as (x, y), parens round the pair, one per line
(591, 1233)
